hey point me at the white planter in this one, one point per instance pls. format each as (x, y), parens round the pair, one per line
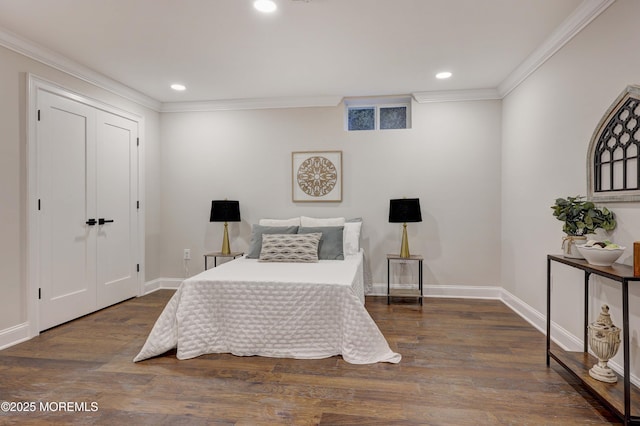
(569, 248)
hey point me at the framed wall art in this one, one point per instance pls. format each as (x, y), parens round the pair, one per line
(316, 176)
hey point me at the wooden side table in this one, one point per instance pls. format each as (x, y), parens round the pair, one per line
(217, 254)
(404, 292)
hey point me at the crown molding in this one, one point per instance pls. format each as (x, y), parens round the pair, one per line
(456, 95)
(256, 103)
(54, 60)
(586, 12)
(580, 18)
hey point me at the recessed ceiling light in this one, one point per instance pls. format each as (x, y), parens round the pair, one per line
(443, 75)
(265, 6)
(178, 87)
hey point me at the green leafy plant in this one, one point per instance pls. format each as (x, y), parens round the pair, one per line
(582, 217)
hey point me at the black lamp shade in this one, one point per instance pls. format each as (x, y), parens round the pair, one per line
(225, 211)
(405, 210)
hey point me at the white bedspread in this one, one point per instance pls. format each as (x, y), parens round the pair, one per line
(283, 310)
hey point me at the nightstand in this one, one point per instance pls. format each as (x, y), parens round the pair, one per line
(391, 292)
(218, 254)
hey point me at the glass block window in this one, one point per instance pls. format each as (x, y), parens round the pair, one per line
(360, 118)
(614, 152)
(393, 117)
(378, 113)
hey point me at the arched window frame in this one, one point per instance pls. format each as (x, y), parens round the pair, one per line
(613, 158)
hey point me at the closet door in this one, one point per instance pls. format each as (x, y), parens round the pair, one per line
(66, 192)
(117, 172)
(87, 181)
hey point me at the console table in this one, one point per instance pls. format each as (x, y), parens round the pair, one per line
(622, 398)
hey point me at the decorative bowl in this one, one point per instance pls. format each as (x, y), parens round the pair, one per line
(600, 256)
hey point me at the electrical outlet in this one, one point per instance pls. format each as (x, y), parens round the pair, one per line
(187, 254)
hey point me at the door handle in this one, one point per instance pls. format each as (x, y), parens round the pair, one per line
(91, 222)
(102, 221)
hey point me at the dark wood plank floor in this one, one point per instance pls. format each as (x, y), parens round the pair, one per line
(465, 362)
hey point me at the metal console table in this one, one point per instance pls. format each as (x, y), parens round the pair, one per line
(579, 363)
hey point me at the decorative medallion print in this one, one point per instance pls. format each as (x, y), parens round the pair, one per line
(317, 176)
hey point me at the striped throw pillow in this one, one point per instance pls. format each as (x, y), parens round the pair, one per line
(290, 247)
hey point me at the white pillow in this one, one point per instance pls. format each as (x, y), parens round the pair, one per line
(351, 238)
(313, 222)
(294, 221)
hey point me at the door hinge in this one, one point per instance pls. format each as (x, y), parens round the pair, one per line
(137, 204)
(38, 204)
(38, 115)
(137, 141)
(39, 293)
(138, 267)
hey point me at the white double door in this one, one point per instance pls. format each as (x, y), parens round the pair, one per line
(87, 180)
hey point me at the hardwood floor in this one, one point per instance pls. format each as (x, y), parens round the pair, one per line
(465, 362)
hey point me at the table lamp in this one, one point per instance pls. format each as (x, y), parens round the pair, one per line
(225, 211)
(405, 210)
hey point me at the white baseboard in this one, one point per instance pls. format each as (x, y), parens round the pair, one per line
(559, 335)
(458, 291)
(14, 335)
(462, 291)
(378, 289)
(161, 284)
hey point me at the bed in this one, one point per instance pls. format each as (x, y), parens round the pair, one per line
(250, 307)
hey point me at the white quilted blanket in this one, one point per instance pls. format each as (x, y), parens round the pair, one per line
(290, 310)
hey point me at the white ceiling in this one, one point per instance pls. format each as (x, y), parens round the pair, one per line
(223, 50)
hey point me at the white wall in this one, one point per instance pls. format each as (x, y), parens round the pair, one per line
(450, 159)
(547, 125)
(13, 177)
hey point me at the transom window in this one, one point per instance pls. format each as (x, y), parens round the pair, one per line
(378, 114)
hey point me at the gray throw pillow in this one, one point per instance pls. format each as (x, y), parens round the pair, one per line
(255, 245)
(331, 245)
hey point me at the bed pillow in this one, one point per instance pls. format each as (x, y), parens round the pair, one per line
(331, 245)
(351, 239)
(255, 245)
(290, 247)
(294, 221)
(312, 221)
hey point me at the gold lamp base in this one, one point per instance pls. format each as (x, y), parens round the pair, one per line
(226, 248)
(404, 248)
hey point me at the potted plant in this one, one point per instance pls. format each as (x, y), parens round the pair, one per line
(580, 218)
